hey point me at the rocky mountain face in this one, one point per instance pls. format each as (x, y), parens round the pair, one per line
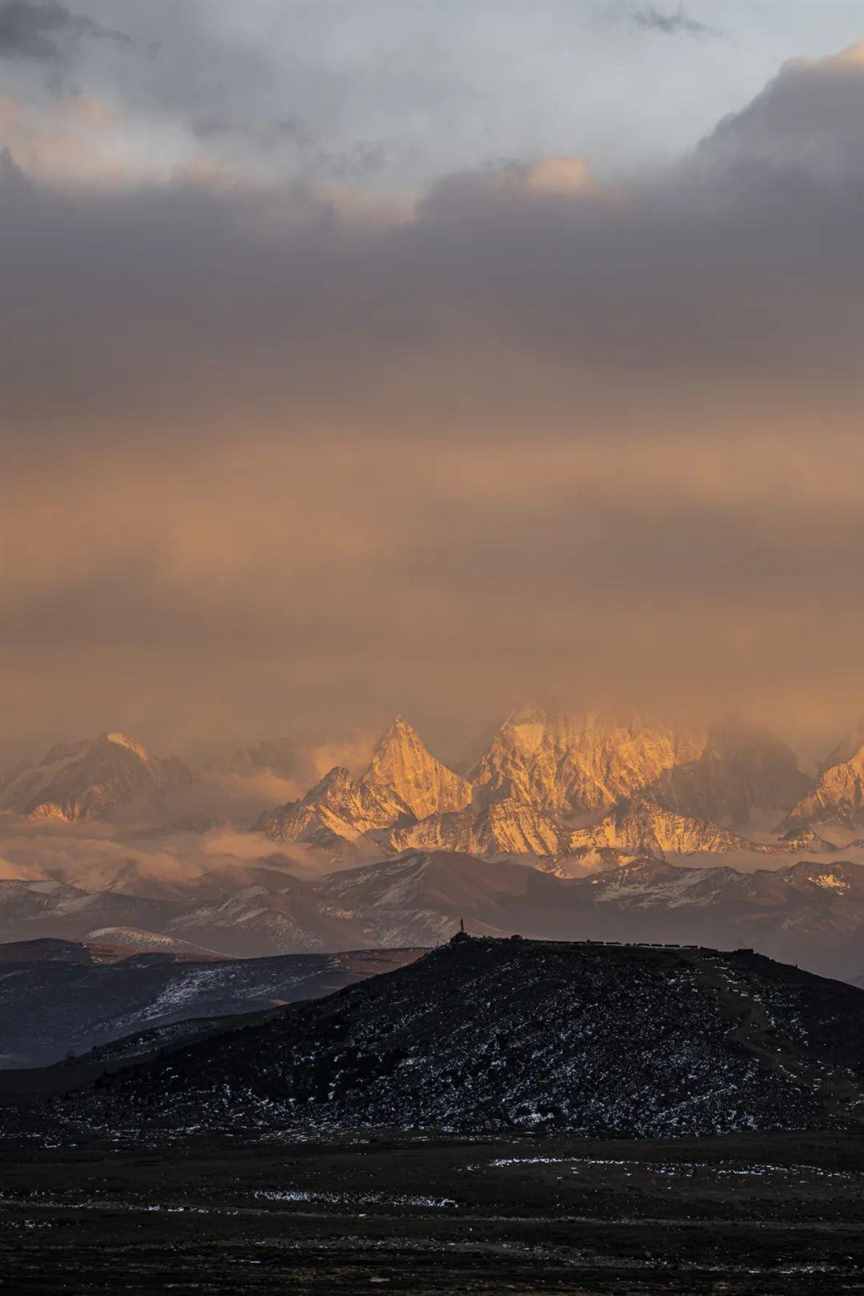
(552, 785)
(75, 997)
(810, 912)
(422, 783)
(645, 827)
(500, 828)
(569, 764)
(403, 783)
(338, 809)
(97, 778)
(484, 1036)
(838, 797)
(549, 786)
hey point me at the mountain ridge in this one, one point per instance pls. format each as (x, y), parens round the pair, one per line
(838, 796)
(811, 911)
(93, 778)
(550, 784)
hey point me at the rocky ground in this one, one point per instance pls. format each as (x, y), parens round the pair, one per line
(486, 1036)
(744, 1215)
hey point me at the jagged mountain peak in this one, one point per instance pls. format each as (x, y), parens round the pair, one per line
(88, 779)
(839, 794)
(335, 782)
(571, 763)
(403, 782)
(399, 728)
(119, 739)
(398, 740)
(552, 782)
(403, 763)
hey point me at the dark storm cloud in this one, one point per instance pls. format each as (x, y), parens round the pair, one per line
(45, 29)
(676, 23)
(281, 450)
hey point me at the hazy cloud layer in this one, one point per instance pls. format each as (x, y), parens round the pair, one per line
(45, 29)
(163, 865)
(290, 456)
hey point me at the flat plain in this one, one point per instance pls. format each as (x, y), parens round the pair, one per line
(744, 1215)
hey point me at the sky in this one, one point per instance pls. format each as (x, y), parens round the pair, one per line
(369, 358)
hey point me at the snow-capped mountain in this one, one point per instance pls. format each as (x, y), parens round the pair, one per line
(96, 778)
(339, 809)
(839, 794)
(505, 827)
(551, 785)
(402, 783)
(644, 826)
(568, 764)
(402, 762)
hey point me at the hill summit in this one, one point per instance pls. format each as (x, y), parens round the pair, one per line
(486, 1035)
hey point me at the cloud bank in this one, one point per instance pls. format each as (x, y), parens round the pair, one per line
(292, 456)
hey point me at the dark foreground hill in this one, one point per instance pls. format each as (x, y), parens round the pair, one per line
(485, 1035)
(61, 997)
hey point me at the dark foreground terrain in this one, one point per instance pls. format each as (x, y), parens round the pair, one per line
(496, 1117)
(60, 998)
(495, 1037)
(743, 1215)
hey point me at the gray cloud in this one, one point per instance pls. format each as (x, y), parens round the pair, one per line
(675, 23)
(44, 29)
(400, 93)
(804, 124)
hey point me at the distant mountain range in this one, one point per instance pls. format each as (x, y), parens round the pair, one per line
(484, 1036)
(62, 997)
(550, 785)
(807, 912)
(560, 788)
(563, 827)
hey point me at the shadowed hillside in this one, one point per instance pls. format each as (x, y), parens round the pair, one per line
(487, 1035)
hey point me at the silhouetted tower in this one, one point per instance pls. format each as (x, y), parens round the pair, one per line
(460, 935)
